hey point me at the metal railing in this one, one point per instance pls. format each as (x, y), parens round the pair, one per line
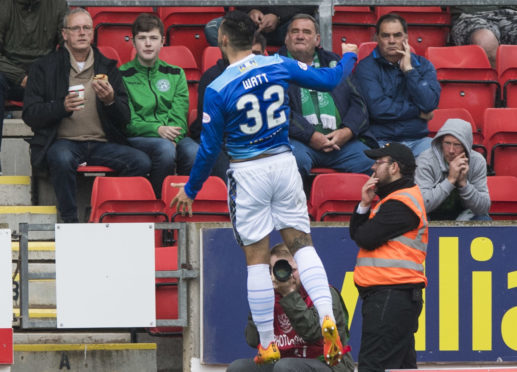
(182, 274)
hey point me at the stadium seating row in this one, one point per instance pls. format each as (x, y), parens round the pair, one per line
(334, 196)
(427, 26)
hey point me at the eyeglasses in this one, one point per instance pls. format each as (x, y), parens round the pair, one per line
(379, 162)
(86, 28)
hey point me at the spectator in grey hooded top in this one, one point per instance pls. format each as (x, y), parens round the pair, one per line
(452, 177)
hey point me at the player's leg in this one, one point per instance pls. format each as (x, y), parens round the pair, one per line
(289, 213)
(314, 280)
(249, 205)
(261, 299)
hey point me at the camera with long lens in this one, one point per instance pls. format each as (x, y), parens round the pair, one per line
(282, 270)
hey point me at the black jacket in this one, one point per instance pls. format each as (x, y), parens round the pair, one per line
(208, 76)
(43, 105)
(347, 98)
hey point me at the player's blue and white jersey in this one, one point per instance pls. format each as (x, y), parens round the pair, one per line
(246, 108)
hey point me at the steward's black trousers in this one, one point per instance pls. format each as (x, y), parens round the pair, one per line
(390, 319)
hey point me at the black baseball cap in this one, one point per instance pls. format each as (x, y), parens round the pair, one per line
(397, 151)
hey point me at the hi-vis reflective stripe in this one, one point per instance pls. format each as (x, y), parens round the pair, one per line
(385, 262)
(417, 244)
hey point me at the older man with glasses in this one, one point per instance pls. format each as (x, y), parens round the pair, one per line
(77, 106)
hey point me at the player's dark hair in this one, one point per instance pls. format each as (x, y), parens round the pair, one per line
(146, 22)
(239, 28)
(391, 17)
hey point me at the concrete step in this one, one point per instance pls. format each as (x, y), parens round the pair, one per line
(15, 190)
(15, 154)
(127, 357)
(38, 250)
(14, 215)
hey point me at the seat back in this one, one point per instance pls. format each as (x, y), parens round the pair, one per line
(166, 259)
(501, 140)
(180, 55)
(210, 205)
(466, 78)
(427, 25)
(335, 195)
(111, 53)
(352, 24)
(113, 27)
(210, 56)
(125, 199)
(506, 63)
(503, 197)
(185, 26)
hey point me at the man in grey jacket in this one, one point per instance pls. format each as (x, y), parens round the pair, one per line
(452, 177)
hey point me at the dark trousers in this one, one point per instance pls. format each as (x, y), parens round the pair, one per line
(64, 156)
(390, 319)
(7, 91)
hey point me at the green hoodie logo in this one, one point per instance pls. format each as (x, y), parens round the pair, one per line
(163, 85)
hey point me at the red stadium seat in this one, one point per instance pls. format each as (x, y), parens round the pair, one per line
(440, 117)
(501, 140)
(334, 196)
(506, 62)
(211, 55)
(113, 27)
(166, 259)
(503, 197)
(125, 199)
(352, 24)
(210, 204)
(466, 78)
(185, 26)
(180, 55)
(427, 25)
(110, 53)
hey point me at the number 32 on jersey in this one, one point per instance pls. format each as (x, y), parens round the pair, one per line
(274, 117)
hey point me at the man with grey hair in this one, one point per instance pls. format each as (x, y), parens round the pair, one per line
(328, 129)
(76, 104)
(452, 177)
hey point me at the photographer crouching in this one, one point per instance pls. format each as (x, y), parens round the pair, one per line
(296, 324)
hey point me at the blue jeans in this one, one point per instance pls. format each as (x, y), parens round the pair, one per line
(64, 156)
(417, 146)
(187, 151)
(351, 158)
(163, 158)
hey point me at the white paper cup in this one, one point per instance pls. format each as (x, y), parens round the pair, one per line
(79, 89)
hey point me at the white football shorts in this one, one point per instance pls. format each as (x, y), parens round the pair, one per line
(266, 194)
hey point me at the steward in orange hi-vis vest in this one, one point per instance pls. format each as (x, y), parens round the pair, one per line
(399, 260)
(389, 274)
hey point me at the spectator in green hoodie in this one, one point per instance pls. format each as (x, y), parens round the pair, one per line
(158, 99)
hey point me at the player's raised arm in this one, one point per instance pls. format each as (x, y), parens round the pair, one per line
(326, 78)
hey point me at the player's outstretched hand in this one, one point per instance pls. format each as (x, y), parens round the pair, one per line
(182, 201)
(345, 48)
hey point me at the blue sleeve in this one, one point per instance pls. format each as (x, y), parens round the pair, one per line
(323, 79)
(423, 86)
(211, 143)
